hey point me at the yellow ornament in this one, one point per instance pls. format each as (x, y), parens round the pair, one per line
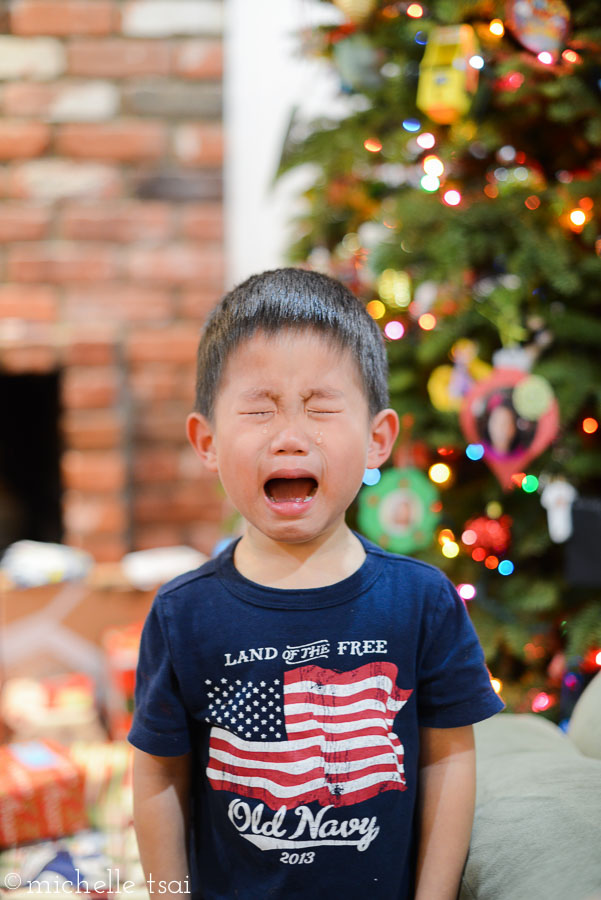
(447, 75)
(439, 383)
(356, 11)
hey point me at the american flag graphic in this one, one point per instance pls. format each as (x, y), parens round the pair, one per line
(332, 742)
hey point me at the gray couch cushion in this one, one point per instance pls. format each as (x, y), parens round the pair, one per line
(537, 827)
(585, 724)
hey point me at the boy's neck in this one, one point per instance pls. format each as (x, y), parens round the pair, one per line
(325, 560)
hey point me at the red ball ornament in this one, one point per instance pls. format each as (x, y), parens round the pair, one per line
(492, 535)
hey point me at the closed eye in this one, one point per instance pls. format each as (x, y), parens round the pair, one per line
(324, 412)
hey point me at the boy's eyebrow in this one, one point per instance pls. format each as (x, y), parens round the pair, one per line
(312, 393)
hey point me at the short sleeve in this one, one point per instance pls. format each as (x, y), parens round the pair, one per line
(454, 687)
(160, 723)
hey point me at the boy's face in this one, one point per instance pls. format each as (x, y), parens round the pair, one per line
(291, 434)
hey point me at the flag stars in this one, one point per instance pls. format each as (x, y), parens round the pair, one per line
(208, 681)
(262, 684)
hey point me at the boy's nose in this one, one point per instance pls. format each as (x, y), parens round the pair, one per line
(290, 439)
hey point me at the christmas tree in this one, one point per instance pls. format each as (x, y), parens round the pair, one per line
(460, 198)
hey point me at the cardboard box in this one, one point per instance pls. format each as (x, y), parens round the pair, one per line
(41, 792)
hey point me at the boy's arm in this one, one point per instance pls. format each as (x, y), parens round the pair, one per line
(161, 789)
(447, 788)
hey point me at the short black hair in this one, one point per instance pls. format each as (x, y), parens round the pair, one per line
(291, 298)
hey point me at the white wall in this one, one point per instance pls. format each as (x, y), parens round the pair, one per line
(265, 77)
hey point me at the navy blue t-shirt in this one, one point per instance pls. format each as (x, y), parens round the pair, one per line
(301, 709)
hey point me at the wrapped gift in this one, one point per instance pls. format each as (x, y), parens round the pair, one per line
(41, 792)
(121, 647)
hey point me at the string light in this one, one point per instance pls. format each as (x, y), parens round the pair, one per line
(469, 537)
(541, 702)
(415, 11)
(479, 554)
(373, 145)
(394, 330)
(439, 473)
(497, 28)
(518, 478)
(430, 183)
(598, 658)
(545, 58)
(530, 484)
(506, 567)
(433, 165)
(466, 591)
(491, 191)
(570, 56)
(450, 549)
(371, 476)
(532, 202)
(426, 140)
(452, 198)
(474, 451)
(411, 125)
(476, 61)
(578, 217)
(497, 685)
(444, 535)
(491, 562)
(494, 509)
(376, 309)
(427, 321)
(590, 425)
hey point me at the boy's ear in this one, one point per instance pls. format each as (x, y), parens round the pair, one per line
(200, 435)
(384, 432)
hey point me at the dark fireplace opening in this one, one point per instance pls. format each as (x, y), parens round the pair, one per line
(30, 488)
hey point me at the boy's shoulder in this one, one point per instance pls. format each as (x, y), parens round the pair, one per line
(188, 579)
(405, 566)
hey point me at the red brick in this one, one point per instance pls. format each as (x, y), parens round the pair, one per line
(60, 262)
(126, 141)
(24, 223)
(118, 222)
(34, 303)
(103, 547)
(94, 344)
(176, 344)
(204, 536)
(95, 471)
(63, 17)
(88, 514)
(168, 424)
(117, 303)
(94, 387)
(199, 144)
(196, 304)
(177, 503)
(199, 59)
(115, 58)
(23, 140)
(26, 98)
(150, 536)
(154, 383)
(92, 429)
(178, 264)
(51, 179)
(202, 222)
(30, 358)
(156, 465)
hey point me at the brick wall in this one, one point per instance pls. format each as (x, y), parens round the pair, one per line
(111, 223)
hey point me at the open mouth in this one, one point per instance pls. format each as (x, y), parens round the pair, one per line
(290, 490)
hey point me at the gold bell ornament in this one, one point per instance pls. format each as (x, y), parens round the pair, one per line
(356, 11)
(446, 77)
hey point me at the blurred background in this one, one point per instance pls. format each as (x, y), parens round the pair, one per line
(442, 159)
